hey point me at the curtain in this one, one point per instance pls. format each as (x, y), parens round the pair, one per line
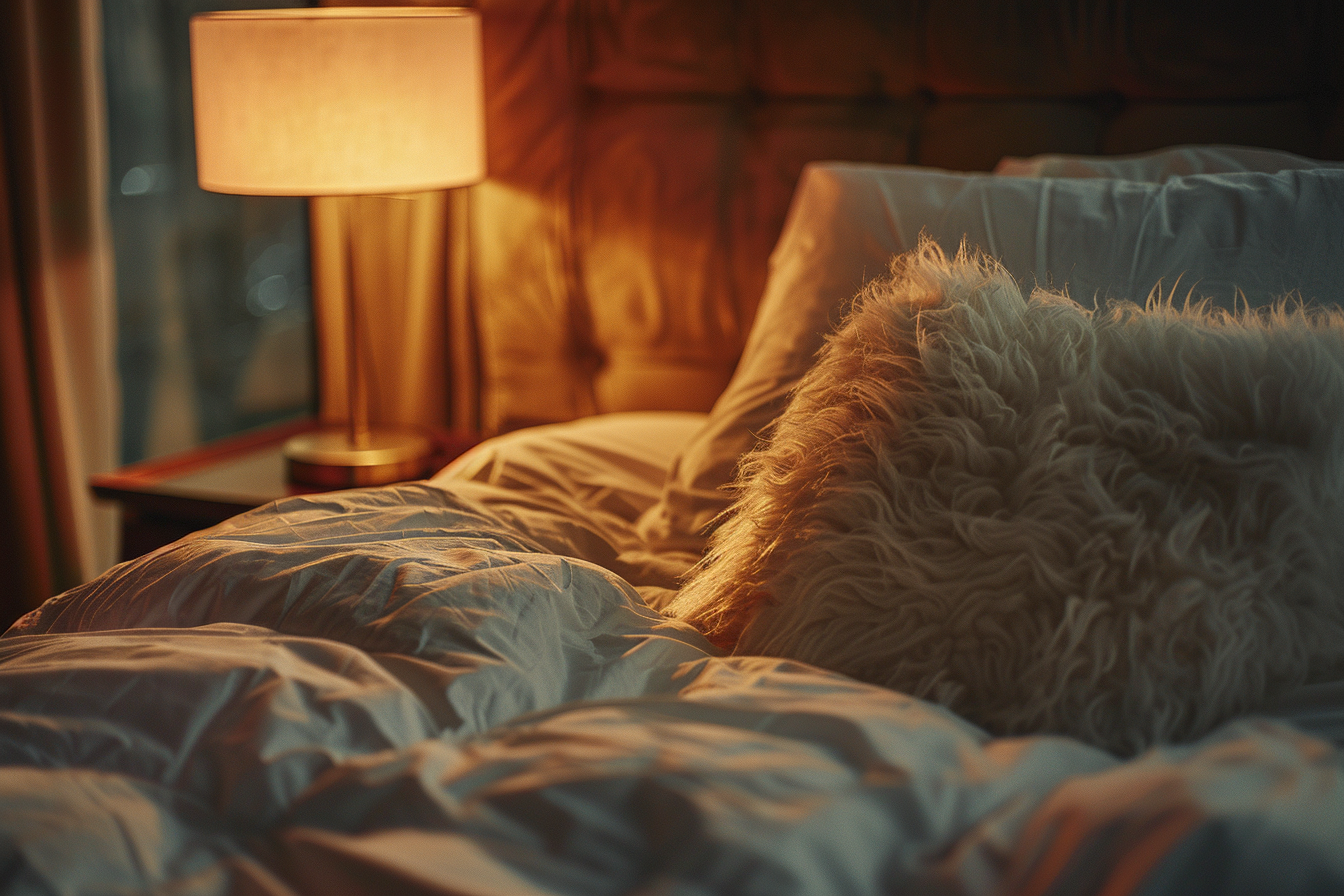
(410, 274)
(58, 394)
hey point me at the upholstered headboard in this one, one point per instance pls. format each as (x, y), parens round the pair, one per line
(642, 153)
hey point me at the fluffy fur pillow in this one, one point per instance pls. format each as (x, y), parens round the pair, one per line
(1125, 525)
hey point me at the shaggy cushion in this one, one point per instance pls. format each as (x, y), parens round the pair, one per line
(1125, 525)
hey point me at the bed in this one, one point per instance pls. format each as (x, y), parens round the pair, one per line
(535, 671)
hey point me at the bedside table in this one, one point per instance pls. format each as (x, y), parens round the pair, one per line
(166, 498)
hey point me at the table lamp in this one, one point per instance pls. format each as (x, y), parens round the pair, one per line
(340, 101)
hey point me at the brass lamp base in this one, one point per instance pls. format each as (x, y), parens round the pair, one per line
(330, 459)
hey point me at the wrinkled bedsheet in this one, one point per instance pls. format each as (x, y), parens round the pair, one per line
(393, 691)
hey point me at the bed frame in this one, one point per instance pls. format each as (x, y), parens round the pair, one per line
(642, 154)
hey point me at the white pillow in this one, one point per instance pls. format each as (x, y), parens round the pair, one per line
(1213, 235)
(1160, 164)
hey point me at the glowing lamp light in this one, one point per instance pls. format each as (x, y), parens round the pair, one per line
(340, 101)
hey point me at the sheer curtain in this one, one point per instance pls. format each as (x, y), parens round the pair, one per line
(58, 393)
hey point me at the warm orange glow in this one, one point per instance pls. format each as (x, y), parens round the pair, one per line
(318, 102)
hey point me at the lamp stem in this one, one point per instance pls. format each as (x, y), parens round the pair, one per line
(358, 425)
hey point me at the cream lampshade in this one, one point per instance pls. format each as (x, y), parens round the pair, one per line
(340, 101)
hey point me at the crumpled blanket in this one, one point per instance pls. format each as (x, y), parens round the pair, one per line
(392, 691)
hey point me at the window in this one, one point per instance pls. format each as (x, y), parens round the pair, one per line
(213, 294)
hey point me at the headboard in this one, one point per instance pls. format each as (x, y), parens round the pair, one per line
(642, 153)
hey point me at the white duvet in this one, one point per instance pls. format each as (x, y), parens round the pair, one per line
(389, 691)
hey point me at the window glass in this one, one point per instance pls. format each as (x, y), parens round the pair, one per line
(213, 295)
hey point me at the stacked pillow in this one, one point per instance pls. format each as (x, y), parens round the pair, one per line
(1118, 227)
